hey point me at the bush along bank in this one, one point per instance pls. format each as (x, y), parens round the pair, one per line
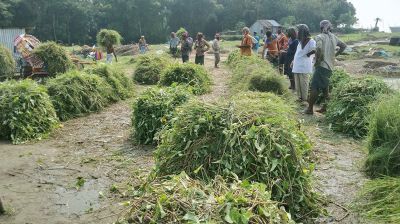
(255, 74)
(195, 77)
(149, 68)
(26, 111)
(255, 137)
(7, 64)
(153, 109)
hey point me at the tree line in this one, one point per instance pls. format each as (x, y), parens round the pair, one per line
(78, 21)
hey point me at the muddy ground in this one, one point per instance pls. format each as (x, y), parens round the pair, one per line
(83, 171)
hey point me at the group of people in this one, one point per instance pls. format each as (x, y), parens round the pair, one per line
(300, 55)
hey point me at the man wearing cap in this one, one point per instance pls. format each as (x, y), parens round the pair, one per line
(324, 64)
(217, 48)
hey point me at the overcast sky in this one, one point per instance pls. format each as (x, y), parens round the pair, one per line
(368, 10)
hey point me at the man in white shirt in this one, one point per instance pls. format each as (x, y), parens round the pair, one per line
(216, 48)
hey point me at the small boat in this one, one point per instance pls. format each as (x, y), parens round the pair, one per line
(395, 29)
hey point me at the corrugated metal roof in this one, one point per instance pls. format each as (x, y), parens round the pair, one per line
(269, 22)
(7, 37)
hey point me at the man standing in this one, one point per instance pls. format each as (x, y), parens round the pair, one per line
(247, 43)
(201, 46)
(256, 44)
(173, 44)
(325, 59)
(293, 43)
(142, 45)
(110, 53)
(271, 48)
(282, 40)
(185, 48)
(216, 48)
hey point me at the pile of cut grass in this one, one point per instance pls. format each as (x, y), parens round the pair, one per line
(194, 76)
(256, 138)
(180, 199)
(384, 137)
(348, 109)
(55, 57)
(26, 111)
(379, 200)
(123, 87)
(7, 64)
(107, 38)
(149, 69)
(76, 93)
(153, 109)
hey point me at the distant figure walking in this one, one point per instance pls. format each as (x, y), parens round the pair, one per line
(217, 48)
(256, 45)
(291, 51)
(325, 58)
(201, 46)
(142, 45)
(110, 53)
(185, 47)
(173, 44)
(247, 43)
(303, 62)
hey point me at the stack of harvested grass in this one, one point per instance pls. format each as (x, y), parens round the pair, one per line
(256, 138)
(180, 32)
(75, 93)
(179, 199)
(255, 74)
(383, 138)
(153, 109)
(379, 200)
(194, 76)
(55, 58)
(7, 64)
(122, 86)
(127, 50)
(108, 38)
(149, 69)
(348, 109)
(26, 111)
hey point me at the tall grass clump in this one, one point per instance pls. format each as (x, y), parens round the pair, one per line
(180, 199)
(348, 109)
(55, 57)
(108, 38)
(122, 86)
(194, 76)
(7, 64)
(76, 93)
(149, 69)
(384, 138)
(26, 111)
(379, 200)
(255, 137)
(153, 109)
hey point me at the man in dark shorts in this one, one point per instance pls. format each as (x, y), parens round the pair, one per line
(324, 65)
(185, 48)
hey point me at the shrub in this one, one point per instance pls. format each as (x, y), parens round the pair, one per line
(195, 76)
(349, 108)
(149, 69)
(180, 199)
(122, 86)
(268, 83)
(383, 138)
(256, 138)
(153, 109)
(75, 93)
(26, 111)
(106, 38)
(379, 200)
(55, 58)
(7, 64)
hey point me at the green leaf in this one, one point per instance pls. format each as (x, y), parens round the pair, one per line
(191, 217)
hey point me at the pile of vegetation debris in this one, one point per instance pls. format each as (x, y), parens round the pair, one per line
(149, 68)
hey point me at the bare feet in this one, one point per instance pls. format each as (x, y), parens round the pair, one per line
(321, 111)
(308, 112)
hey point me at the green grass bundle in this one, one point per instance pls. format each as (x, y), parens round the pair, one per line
(234, 57)
(384, 138)
(255, 138)
(379, 200)
(55, 57)
(194, 76)
(75, 94)
(268, 83)
(180, 32)
(26, 111)
(7, 64)
(153, 109)
(108, 38)
(122, 86)
(348, 109)
(180, 199)
(149, 69)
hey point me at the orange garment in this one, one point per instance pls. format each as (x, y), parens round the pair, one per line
(246, 45)
(283, 42)
(272, 47)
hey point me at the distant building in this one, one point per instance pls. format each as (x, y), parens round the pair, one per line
(261, 26)
(7, 37)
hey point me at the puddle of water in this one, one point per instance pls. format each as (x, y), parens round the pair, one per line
(79, 202)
